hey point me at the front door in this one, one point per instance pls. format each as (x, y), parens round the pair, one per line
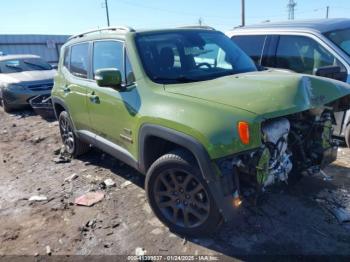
(112, 112)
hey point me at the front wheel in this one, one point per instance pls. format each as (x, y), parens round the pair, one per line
(179, 196)
(73, 145)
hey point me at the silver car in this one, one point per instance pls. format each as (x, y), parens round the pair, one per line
(319, 47)
(23, 77)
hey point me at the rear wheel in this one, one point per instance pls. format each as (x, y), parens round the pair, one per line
(179, 196)
(73, 145)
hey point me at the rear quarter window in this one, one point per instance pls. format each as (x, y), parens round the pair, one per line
(252, 45)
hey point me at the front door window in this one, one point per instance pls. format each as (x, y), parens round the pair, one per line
(303, 55)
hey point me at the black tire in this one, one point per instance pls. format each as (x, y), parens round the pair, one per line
(164, 182)
(347, 135)
(73, 145)
(6, 106)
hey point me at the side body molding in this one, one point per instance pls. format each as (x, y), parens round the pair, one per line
(108, 147)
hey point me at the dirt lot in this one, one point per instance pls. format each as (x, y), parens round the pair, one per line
(290, 220)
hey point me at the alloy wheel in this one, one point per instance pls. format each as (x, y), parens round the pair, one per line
(181, 198)
(67, 134)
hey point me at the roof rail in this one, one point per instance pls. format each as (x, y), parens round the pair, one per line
(197, 27)
(116, 28)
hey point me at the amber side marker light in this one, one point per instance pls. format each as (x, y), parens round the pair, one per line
(243, 131)
(236, 202)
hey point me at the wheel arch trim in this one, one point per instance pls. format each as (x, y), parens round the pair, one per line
(179, 138)
(56, 100)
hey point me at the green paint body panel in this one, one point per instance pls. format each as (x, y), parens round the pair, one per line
(207, 111)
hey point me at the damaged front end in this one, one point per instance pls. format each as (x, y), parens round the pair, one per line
(292, 145)
(283, 132)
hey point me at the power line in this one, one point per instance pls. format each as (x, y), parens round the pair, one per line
(138, 5)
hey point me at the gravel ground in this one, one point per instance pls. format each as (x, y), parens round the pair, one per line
(290, 220)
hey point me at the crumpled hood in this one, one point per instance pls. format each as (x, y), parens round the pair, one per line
(268, 93)
(27, 76)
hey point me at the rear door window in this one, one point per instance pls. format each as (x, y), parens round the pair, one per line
(79, 61)
(253, 45)
(303, 55)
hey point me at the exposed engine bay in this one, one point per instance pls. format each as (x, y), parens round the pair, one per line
(295, 144)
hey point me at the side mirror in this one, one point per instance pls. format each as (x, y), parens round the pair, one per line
(109, 77)
(333, 72)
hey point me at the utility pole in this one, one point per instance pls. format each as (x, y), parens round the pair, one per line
(200, 21)
(243, 12)
(107, 12)
(291, 8)
(327, 12)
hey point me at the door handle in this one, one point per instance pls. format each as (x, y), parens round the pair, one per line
(94, 98)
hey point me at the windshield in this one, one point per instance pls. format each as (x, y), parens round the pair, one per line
(21, 65)
(341, 38)
(191, 55)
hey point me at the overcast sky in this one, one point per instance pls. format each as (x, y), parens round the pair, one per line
(72, 16)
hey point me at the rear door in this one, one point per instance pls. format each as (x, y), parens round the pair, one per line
(74, 90)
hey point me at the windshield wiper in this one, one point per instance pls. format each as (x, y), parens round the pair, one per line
(34, 64)
(180, 79)
(14, 67)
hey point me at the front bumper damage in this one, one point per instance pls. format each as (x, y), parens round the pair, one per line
(291, 146)
(230, 177)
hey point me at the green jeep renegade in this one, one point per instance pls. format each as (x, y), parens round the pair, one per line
(187, 108)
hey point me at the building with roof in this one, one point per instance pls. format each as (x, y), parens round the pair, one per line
(46, 46)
